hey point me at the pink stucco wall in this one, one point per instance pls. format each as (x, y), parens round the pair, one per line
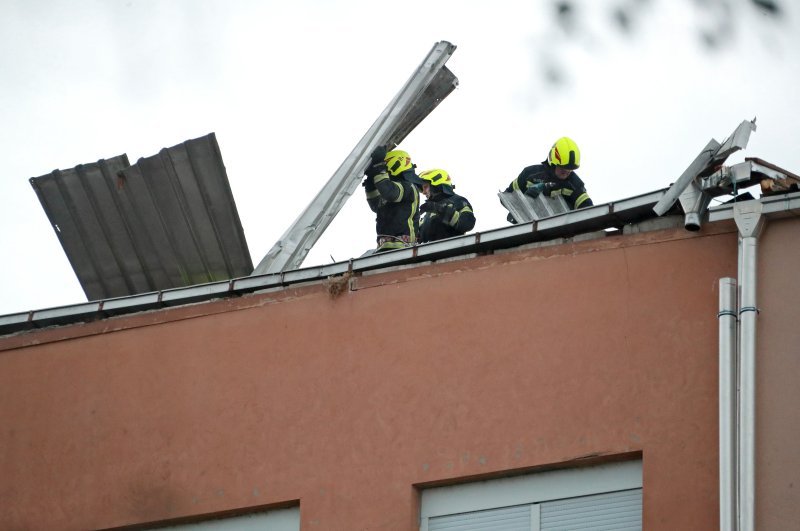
(427, 374)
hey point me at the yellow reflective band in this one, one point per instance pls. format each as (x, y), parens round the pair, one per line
(414, 209)
(373, 194)
(581, 199)
(393, 245)
(380, 177)
(454, 220)
(400, 195)
(567, 191)
(515, 185)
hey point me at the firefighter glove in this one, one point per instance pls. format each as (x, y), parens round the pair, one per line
(432, 206)
(378, 155)
(369, 181)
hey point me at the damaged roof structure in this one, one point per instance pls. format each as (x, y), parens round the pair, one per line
(165, 231)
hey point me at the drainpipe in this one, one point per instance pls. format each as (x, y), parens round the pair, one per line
(750, 223)
(727, 403)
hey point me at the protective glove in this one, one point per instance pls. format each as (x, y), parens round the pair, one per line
(432, 206)
(375, 169)
(440, 208)
(538, 188)
(376, 162)
(369, 182)
(377, 155)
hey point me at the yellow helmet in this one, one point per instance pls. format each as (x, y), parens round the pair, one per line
(565, 153)
(436, 177)
(397, 162)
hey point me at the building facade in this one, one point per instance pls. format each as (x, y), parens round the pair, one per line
(383, 400)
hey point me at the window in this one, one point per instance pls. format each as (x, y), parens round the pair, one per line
(605, 496)
(275, 520)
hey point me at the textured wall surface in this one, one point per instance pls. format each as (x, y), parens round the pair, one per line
(778, 378)
(425, 375)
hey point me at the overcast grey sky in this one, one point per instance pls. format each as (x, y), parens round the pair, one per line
(290, 87)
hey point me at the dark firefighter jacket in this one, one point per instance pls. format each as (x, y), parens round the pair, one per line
(395, 202)
(571, 188)
(457, 218)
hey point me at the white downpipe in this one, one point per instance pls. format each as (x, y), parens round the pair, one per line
(750, 222)
(727, 403)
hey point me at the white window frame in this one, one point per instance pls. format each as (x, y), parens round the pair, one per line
(533, 489)
(287, 519)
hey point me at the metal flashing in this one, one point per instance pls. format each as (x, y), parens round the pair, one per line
(195, 293)
(143, 301)
(446, 247)
(15, 322)
(522, 230)
(315, 273)
(66, 314)
(395, 257)
(256, 282)
(773, 206)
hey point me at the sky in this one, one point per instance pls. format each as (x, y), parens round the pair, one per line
(290, 88)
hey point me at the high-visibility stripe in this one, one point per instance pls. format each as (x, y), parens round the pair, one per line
(373, 194)
(566, 191)
(414, 208)
(393, 245)
(581, 199)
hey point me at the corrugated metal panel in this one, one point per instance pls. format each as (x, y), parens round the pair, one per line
(81, 204)
(504, 519)
(168, 221)
(612, 511)
(525, 208)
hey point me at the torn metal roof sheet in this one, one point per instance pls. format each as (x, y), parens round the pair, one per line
(167, 221)
(430, 83)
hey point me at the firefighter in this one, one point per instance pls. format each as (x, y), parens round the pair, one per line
(392, 190)
(446, 213)
(554, 176)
